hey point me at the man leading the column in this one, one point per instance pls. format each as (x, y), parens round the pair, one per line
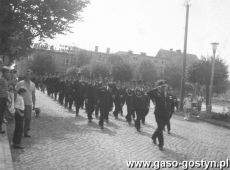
(163, 103)
(29, 100)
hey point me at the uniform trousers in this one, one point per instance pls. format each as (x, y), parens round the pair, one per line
(28, 112)
(158, 133)
(3, 102)
(139, 114)
(102, 115)
(130, 112)
(18, 129)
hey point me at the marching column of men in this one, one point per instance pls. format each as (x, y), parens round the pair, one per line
(99, 97)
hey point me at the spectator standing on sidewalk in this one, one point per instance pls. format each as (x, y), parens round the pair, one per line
(29, 100)
(3, 94)
(200, 100)
(188, 106)
(19, 117)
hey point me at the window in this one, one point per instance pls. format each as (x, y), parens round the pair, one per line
(67, 61)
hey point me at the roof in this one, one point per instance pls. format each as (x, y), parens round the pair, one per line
(175, 55)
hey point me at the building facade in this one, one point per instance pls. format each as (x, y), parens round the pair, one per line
(66, 57)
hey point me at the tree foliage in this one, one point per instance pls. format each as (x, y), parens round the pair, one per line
(72, 71)
(85, 70)
(200, 72)
(83, 59)
(173, 76)
(43, 64)
(122, 72)
(99, 70)
(147, 71)
(115, 60)
(23, 20)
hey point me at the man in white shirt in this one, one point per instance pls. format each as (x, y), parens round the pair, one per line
(19, 117)
(29, 99)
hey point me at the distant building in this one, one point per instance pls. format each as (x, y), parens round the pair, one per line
(65, 57)
(175, 57)
(136, 59)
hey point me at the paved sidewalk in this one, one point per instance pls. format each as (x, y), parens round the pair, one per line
(204, 118)
(61, 142)
(5, 154)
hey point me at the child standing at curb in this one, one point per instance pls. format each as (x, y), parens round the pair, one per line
(19, 117)
(188, 106)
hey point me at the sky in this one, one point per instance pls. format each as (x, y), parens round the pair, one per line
(150, 25)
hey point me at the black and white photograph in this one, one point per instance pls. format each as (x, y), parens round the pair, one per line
(114, 84)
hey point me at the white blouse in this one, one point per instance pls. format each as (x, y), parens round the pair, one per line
(19, 103)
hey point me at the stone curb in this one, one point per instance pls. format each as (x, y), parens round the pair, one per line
(217, 123)
(6, 162)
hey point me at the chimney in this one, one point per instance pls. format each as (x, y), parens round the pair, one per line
(130, 52)
(96, 48)
(108, 50)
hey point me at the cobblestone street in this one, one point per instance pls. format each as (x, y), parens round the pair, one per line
(61, 142)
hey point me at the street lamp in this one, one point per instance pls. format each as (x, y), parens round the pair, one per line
(187, 4)
(214, 47)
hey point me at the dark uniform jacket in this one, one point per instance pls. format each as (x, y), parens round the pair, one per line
(129, 98)
(163, 104)
(103, 98)
(139, 100)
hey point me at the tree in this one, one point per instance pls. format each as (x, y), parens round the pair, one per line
(43, 64)
(122, 72)
(85, 70)
(173, 76)
(72, 71)
(23, 20)
(146, 71)
(200, 72)
(115, 60)
(83, 59)
(99, 70)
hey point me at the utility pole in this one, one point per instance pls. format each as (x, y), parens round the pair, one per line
(185, 55)
(214, 47)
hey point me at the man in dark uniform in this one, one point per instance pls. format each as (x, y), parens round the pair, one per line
(109, 88)
(161, 97)
(82, 93)
(67, 93)
(117, 95)
(89, 100)
(61, 88)
(48, 84)
(139, 105)
(146, 106)
(76, 96)
(130, 104)
(56, 86)
(122, 97)
(102, 103)
(96, 95)
(174, 104)
(71, 94)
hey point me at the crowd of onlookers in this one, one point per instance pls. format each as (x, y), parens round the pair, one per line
(17, 99)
